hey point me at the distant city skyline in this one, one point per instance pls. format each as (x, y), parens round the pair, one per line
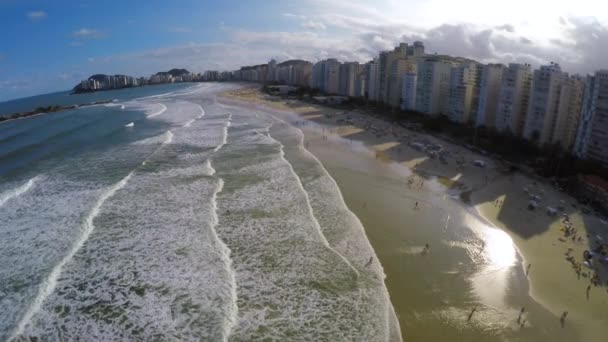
(52, 45)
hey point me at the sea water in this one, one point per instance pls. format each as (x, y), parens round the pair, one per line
(172, 216)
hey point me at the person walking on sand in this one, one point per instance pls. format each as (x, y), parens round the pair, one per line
(588, 289)
(528, 269)
(416, 206)
(562, 319)
(521, 312)
(471, 314)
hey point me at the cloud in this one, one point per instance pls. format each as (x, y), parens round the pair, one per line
(314, 25)
(36, 15)
(506, 27)
(306, 22)
(85, 33)
(180, 29)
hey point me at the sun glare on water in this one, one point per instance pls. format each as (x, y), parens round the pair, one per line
(499, 248)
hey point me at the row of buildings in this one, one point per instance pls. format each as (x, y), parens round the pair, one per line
(107, 82)
(546, 105)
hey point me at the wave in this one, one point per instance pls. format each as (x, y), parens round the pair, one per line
(154, 96)
(309, 207)
(187, 124)
(47, 287)
(232, 314)
(131, 124)
(202, 112)
(169, 138)
(164, 108)
(225, 135)
(10, 194)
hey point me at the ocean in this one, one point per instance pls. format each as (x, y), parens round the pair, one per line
(169, 215)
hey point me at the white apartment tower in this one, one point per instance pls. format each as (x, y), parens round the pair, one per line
(408, 97)
(592, 137)
(372, 80)
(513, 98)
(462, 86)
(568, 112)
(544, 104)
(489, 89)
(432, 85)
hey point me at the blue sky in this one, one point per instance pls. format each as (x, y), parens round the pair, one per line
(49, 45)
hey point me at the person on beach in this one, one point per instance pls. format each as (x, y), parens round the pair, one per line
(528, 269)
(416, 206)
(521, 312)
(562, 319)
(471, 314)
(371, 259)
(588, 289)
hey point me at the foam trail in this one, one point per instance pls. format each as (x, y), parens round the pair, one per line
(8, 195)
(47, 287)
(154, 96)
(309, 206)
(131, 124)
(122, 106)
(225, 135)
(202, 112)
(159, 112)
(189, 123)
(169, 138)
(232, 313)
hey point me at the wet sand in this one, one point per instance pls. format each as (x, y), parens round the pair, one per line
(470, 267)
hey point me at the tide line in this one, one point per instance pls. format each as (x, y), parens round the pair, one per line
(10, 194)
(47, 287)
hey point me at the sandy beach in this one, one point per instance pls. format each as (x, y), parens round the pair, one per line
(380, 166)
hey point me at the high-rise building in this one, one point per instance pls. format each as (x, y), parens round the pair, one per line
(272, 70)
(372, 79)
(348, 76)
(463, 80)
(408, 97)
(489, 89)
(513, 98)
(400, 67)
(332, 76)
(432, 85)
(568, 112)
(318, 76)
(544, 104)
(592, 137)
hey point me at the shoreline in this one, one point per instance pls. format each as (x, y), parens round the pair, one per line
(486, 186)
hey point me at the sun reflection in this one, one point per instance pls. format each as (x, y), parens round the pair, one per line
(499, 248)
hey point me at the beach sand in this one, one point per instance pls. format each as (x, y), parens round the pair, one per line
(382, 178)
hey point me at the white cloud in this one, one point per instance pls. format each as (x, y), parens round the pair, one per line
(36, 15)
(314, 25)
(86, 33)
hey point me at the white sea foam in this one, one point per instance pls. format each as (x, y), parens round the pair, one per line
(131, 124)
(187, 124)
(225, 135)
(10, 194)
(48, 286)
(202, 112)
(154, 96)
(169, 138)
(309, 207)
(162, 110)
(232, 314)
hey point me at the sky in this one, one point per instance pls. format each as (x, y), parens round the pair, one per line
(50, 45)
